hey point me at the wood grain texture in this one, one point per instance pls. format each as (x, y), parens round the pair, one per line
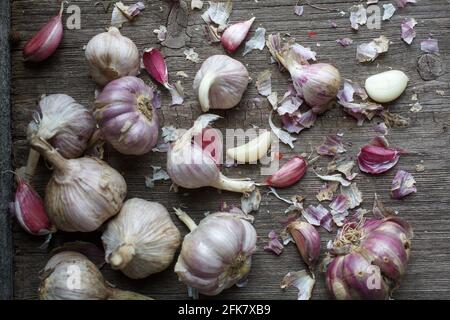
(6, 247)
(427, 138)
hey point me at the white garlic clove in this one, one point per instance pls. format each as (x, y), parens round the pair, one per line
(253, 150)
(141, 239)
(386, 86)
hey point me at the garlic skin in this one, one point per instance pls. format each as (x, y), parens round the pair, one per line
(217, 253)
(190, 166)
(126, 114)
(111, 55)
(220, 82)
(141, 239)
(70, 275)
(82, 193)
(253, 150)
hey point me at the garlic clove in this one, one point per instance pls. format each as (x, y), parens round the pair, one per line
(289, 173)
(155, 65)
(253, 150)
(235, 34)
(46, 41)
(386, 86)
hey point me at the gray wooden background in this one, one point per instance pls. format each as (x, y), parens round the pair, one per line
(426, 139)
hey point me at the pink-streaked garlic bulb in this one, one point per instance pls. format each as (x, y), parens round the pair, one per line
(126, 114)
(190, 165)
(62, 122)
(111, 55)
(82, 193)
(369, 258)
(70, 275)
(141, 239)
(217, 253)
(220, 82)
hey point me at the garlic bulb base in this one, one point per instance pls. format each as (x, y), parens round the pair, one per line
(234, 185)
(122, 256)
(203, 91)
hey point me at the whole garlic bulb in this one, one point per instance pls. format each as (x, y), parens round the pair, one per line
(70, 275)
(111, 55)
(82, 193)
(220, 82)
(141, 239)
(126, 114)
(217, 253)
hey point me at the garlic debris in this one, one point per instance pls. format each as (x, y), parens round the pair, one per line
(253, 150)
(82, 193)
(111, 55)
(386, 86)
(220, 82)
(70, 275)
(141, 239)
(217, 253)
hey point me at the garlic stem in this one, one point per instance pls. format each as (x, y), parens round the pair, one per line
(117, 294)
(50, 153)
(184, 217)
(32, 162)
(122, 256)
(234, 185)
(203, 90)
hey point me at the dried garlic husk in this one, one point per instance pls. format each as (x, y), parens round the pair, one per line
(141, 239)
(82, 193)
(70, 275)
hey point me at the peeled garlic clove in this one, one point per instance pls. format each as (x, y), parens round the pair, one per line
(141, 239)
(386, 86)
(82, 193)
(220, 82)
(70, 275)
(111, 55)
(217, 253)
(253, 150)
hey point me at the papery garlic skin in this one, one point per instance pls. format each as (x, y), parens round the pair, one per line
(71, 276)
(141, 239)
(220, 83)
(82, 193)
(216, 254)
(45, 42)
(64, 123)
(126, 114)
(369, 259)
(111, 55)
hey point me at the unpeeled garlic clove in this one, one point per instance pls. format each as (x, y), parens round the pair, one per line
(234, 35)
(307, 240)
(253, 150)
(386, 86)
(46, 41)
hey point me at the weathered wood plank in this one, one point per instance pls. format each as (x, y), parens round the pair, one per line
(6, 246)
(426, 138)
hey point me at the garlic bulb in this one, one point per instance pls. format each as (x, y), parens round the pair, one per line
(64, 123)
(141, 239)
(70, 275)
(126, 114)
(82, 193)
(111, 55)
(191, 166)
(220, 82)
(217, 253)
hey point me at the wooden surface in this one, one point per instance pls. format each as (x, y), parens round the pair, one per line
(6, 256)
(426, 139)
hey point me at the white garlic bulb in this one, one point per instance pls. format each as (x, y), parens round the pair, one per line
(70, 275)
(141, 239)
(217, 253)
(220, 82)
(111, 55)
(82, 193)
